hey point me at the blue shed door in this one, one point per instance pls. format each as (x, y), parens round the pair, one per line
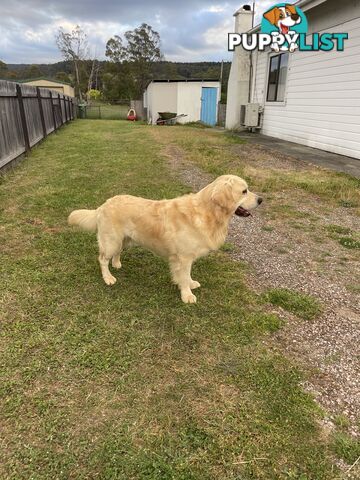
(208, 105)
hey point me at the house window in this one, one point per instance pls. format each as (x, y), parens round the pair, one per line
(277, 77)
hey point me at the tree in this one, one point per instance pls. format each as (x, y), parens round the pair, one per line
(63, 77)
(3, 69)
(5, 72)
(74, 47)
(92, 76)
(118, 82)
(115, 49)
(33, 71)
(141, 50)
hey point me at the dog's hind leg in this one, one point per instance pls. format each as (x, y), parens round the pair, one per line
(181, 274)
(110, 244)
(116, 262)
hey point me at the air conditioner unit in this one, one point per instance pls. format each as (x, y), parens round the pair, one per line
(252, 115)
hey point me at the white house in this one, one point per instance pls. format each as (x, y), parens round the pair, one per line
(198, 99)
(311, 98)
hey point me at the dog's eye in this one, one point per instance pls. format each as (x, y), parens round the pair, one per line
(245, 191)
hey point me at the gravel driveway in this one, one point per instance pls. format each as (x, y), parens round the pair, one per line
(302, 259)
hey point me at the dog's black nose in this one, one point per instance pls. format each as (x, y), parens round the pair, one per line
(294, 16)
(259, 200)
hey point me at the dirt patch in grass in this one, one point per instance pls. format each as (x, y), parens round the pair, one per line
(291, 243)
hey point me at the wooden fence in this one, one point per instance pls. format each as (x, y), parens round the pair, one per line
(27, 115)
(221, 114)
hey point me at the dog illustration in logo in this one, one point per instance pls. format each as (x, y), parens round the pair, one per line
(283, 18)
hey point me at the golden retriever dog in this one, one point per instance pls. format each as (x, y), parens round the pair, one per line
(180, 230)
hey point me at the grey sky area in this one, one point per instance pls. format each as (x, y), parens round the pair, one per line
(190, 30)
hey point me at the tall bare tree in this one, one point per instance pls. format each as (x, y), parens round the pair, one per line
(92, 75)
(74, 47)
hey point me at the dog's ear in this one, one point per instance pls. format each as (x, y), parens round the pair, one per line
(222, 195)
(272, 15)
(291, 8)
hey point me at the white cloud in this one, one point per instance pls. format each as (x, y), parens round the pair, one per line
(216, 37)
(217, 9)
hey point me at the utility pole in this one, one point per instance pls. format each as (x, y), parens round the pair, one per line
(221, 76)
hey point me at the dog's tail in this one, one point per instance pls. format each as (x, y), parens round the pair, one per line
(85, 219)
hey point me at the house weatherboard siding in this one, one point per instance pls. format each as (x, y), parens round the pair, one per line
(321, 107)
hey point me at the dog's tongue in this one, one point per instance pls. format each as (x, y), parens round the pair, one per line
(284, 29)
(241, 212)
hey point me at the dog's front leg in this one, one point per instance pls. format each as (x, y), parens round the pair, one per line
(275, 47)
(181, 274)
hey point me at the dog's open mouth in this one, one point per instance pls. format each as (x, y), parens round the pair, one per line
(242, 212)
(284, 29)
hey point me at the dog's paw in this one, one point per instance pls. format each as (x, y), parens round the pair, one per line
(116, 264)
(275, 47)
(110, 280)
(194, 284)
(188, 297)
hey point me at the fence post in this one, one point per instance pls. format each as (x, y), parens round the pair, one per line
(61, 117)
(53, 110)
(41, 112)
(63, 99)
(66, 110)
(23, 118)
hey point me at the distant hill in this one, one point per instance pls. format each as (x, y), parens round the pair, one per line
(160, 70)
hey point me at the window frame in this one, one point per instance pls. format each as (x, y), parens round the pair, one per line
(271, 56)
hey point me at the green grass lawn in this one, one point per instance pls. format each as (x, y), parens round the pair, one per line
(128, 382)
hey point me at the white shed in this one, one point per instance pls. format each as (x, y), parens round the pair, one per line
(317, 100)
(197, 99)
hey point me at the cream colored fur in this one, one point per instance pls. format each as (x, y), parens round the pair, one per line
(181, 230)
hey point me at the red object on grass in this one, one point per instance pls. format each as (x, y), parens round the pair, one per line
(131, 116)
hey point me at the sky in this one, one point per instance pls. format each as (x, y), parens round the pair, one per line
(190, 30)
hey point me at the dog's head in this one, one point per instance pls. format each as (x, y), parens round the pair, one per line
(283, 17)
(231, 194)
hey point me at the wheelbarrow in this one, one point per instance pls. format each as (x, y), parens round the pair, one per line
(168, 118)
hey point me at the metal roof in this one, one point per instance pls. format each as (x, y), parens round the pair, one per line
(42, 78)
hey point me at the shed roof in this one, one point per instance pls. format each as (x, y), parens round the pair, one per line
(184, 80)
(53, 80)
